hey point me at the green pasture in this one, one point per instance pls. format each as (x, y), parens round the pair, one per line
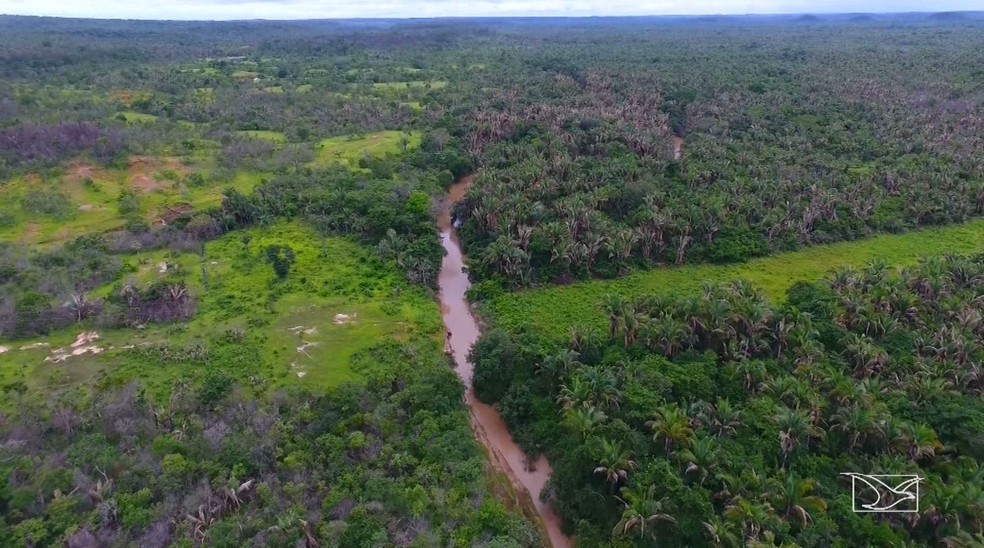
(304, 330)
(555, 309)
(413, 85)
(85, 199)
(132, 117)
(275, 136)
(348, 150)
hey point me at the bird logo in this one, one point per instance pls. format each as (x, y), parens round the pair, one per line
(884, 492)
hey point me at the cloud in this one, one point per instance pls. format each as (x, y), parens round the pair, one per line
(313, 9)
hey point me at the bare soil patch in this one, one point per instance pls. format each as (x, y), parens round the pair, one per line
(172, 213)
(142, 169)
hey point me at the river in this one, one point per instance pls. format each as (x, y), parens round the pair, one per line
(488, 426)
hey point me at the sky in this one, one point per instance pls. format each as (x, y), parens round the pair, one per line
(331, 9)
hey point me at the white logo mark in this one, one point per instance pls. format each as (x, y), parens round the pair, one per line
(884, 492)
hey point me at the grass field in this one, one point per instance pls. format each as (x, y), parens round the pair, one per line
(337, 301)
(553, 310)
(137, 117)
(348, 150)
(275, 136)
(415, 85)
(86, 198)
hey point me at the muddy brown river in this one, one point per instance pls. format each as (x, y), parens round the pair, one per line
(490, 430)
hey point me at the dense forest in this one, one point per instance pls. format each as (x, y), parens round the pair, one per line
(721, 419)
(219, 267)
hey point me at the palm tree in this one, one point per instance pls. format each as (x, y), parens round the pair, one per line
(615, 463)
(632, 323)
(701, 457)
(671, 425)
(642, 512)
(867, 357)
(573, 393)
(602, 387)
(793, 497)
(921, 440)
(615, 309)
(856, 423)
(752, 517)
(722, 533)
(562, 364)
(769, 541)
(752, 372)
(943, 507)
(795, 428)
(964, 539)
(666, 335)
(722, 418)
(390, 247)
(506, 257)
(583, 419)
(787, 389)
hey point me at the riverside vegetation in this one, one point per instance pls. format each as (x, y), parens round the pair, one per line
(218, 259)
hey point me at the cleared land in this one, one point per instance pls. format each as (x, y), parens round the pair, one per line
(349, 150)
(83, 198)
(337, 301)
(554, 310)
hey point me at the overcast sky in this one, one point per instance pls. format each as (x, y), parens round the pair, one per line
(314, 9)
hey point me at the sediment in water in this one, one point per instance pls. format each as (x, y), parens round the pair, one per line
(488, 426)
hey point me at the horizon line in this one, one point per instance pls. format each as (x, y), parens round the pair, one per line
(502, 17)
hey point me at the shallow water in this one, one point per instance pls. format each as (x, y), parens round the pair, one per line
(488, 426)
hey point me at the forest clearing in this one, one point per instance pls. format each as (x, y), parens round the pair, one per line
(554, 310)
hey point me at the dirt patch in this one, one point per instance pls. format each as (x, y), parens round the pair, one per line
(125, 97)
(86, 349)
(341, 319)
(173, 213)
(303, 348)
(300, 374)
(79, 172)
(30, 233)
(35, 346)
(88, 207)
(145, 184)
(301, 330)
(677, 147)
(59, 355)
(80, 346)
(85, 338)
(142, 169)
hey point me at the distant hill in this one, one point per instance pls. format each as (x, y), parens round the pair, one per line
(808, 18)
(948, 16)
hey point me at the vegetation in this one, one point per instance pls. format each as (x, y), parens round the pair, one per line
(218, 259)
(784, 148)
(720, 419)
(389, 460)
(555, 310)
